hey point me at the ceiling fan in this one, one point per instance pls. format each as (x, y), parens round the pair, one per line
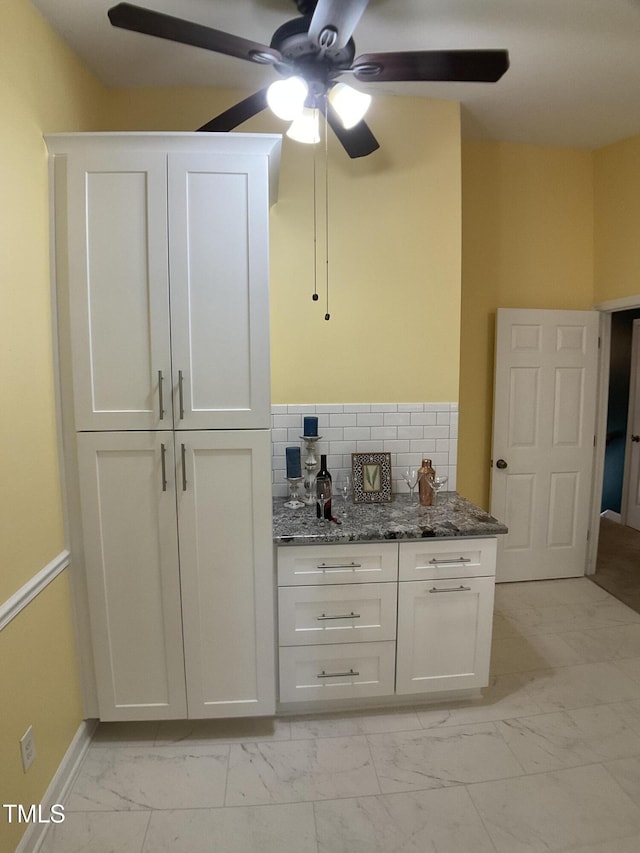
(311, 52)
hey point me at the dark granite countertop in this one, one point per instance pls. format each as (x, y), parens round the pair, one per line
(453, 517)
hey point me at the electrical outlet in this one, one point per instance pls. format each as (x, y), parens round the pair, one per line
(28, 748)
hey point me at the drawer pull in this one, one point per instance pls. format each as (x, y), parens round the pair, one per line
(455, 560)
(339, 566)
(351, 615)
(452, 589)
(324, 674)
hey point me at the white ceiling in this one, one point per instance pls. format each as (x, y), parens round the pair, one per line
(575, 64)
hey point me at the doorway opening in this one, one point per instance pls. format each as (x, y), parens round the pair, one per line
(617, 557)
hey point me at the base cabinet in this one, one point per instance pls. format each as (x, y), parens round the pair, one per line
(341, 635)
(178, 562)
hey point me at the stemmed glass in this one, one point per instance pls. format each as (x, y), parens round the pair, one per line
(343, 487)
(410, 476)
(323, 495)
(437, 483)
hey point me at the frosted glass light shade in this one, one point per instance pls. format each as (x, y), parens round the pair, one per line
(349, 104)
(306, 127)
(286, 97)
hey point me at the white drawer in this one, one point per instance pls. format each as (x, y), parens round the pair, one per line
(344, 613)
(447, 558)
(312, 673)
(353, 563)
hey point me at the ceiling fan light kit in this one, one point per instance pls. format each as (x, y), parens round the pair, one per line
(306, 126)
(286, 97)
(314, 50)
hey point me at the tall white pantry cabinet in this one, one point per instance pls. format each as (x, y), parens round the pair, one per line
(161, 271)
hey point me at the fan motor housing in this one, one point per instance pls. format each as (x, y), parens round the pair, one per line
(293, 42)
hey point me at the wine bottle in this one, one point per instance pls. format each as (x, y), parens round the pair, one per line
(323, 488)
(424, 489)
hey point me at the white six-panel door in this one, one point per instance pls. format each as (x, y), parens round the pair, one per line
(543, 440)
(131, 558)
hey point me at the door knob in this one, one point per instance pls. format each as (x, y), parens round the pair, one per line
(635, 438)
(501, 464)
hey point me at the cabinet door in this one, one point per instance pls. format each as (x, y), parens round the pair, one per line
(444, 634)
(219, 264)
(116, 206)
(224, 500)
(131, 555)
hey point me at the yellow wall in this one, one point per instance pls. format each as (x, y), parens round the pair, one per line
(394, 250)
(39, 687)
(617, 220)
(527, 225)
(43, 88)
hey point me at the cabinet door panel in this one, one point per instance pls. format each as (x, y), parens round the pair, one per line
(226, 571)
(218, 251)
(444, 634)
(118, 290)
(131, 555)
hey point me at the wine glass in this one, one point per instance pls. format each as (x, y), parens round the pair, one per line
(343, 487)
(410, 476)
(323, 495)
(437, 483)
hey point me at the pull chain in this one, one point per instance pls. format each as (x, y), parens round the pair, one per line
(315, 232)
(327, 315)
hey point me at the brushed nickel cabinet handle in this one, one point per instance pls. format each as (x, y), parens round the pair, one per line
(450, 560)
(183, 459)
(161, 395)
(163, 454)
(339, 566)
(181, 394)
(452, 589)
(324, 674)
(351, 615)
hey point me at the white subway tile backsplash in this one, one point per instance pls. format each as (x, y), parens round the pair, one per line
(408, 431)
(357, 433)
(394, 445)
(397, 419)
(370, 419)
(358, 408)
(342, 420)
(424, 418)
(411, 407)
(384, 407)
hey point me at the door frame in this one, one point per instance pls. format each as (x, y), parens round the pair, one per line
(606, 309)
(634, 403)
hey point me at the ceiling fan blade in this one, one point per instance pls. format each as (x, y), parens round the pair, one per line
(357, 141)
(334, 21)
(130, 17)
(238, 113)
(476, 66)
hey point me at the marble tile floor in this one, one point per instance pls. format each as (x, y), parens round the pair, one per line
(547, 760)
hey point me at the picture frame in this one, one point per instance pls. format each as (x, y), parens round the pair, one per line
(371, 476)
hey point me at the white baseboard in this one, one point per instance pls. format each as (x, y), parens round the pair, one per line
(60, 785)
(611, 516)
